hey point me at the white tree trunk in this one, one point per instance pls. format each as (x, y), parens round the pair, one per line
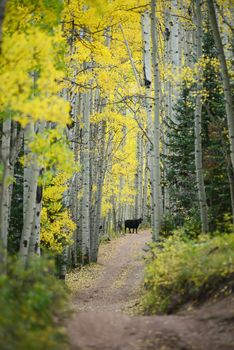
(35, 237)
(145, 191)
(156, 129)
(198, 129)
(5, 184)
(148, 104)
(100, 181)
(30, 200)
(139, 177)
(86, 182)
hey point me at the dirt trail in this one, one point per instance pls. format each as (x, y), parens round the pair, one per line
(103, 306)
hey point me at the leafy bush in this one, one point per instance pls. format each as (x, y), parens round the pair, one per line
(189, 225)
(32, 304)
(179, 270)
(226, 224)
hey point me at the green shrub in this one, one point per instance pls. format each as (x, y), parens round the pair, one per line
(32, 303)
(226, 224)
(180, 270)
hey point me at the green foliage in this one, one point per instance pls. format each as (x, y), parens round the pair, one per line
(179, 270)
(179, 172)
(216, 157)
(226, 224)
(168, 225)
(32, 304)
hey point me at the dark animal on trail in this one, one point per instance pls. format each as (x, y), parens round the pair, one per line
(132, 224)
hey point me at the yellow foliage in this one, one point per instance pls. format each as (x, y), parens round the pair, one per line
(29, 64)
(56, 224)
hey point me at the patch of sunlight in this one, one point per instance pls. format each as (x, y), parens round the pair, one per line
(121, 278)
(84, 277)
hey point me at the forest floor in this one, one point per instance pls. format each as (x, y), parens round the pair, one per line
(105, 303)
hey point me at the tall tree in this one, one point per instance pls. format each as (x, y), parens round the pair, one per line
(146, 26)
(198, 124)
(155, 66)
(86, 181)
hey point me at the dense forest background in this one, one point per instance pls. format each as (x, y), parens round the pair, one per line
(111, 110)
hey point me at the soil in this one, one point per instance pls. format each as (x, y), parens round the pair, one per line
(104, 305)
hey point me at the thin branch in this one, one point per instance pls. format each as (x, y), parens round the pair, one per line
(137, 77)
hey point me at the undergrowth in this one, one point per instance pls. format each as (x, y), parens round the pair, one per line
(33, 304)
(181, 270)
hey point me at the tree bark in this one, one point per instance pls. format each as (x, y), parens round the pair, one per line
(198, 139)
(156, 129)
(148, 106)
(29, 200)
(100, 182)
(5, 184)
(86, 182)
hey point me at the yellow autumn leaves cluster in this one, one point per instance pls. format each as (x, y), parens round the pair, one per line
(32, 67)
(57, 226)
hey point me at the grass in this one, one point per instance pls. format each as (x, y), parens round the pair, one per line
(181, 270)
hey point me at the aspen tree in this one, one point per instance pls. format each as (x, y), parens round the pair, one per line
(145, 187)
(86, 181)
(35, 235)
(139, 177)
(29, 198)
(156, 130)
(74, 187)
(11, 145)
(148, 102)
(36, 227)
(4, 194)
(197, 119)
(100, 182)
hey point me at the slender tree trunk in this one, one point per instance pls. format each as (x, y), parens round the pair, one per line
(29, 200)
(148, 104)
(100, 181)
(198, 139)
(137, 77)
(86, 182)
(139, 177)
(17, 142)
(156, 130)
(168, 108)
(145, 192)
(225, 76)
(5, 186)
(75, 181)
(35, 237)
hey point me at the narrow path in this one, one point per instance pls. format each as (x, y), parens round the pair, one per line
(117, 286)
(104, 304)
